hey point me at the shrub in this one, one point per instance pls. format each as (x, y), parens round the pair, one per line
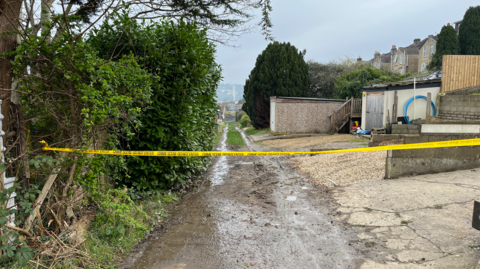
(244, 121)
(351, 84)
(117, 215)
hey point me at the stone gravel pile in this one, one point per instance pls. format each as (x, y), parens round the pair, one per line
(342, 168)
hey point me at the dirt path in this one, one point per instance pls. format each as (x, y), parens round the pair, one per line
(251, 212)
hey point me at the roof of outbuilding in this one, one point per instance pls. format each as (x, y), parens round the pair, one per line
(405, 83)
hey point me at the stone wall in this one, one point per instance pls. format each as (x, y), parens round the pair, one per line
(459, 107)
(402, 163)
(303, 116)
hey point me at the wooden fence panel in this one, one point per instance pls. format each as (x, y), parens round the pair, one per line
(460, 72)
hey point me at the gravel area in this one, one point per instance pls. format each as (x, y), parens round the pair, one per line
(342, 168)
(304, 142)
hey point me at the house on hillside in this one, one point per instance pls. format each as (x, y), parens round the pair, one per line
(415, 57)
(380, 61)
(405, 59)
(426, 51)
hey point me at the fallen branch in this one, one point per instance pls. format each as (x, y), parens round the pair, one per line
(25, 232)
(59, 224)
(40, 199)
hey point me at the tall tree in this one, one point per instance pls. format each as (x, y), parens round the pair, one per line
(447, 44)
(324, 75)
(9, 21)
(224, 19)
(469, 33)
(279, 71)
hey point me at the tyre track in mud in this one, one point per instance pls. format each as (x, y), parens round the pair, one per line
(250, 212)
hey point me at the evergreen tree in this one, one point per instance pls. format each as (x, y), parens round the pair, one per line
(447, 44)
(279, 71)
(469, 34)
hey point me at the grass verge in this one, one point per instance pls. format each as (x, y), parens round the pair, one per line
(252, 131)
(106, 251)
(233, 136)
(219, 134)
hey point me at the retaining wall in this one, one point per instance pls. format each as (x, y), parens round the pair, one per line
(428, 161)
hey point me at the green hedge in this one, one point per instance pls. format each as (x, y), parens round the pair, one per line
(182, 113)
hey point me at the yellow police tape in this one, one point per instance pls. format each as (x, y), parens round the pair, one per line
(440, 144)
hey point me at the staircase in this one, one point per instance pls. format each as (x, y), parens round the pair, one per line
(344, 114)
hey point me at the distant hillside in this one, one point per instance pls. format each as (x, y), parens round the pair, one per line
(225, 92)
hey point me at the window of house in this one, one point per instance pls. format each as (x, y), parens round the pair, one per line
(423, 67)
(431, 50)
(395, 60)
(425, 51)
(401, 58)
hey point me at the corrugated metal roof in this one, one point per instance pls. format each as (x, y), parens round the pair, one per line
(311, 99)
(402, 83)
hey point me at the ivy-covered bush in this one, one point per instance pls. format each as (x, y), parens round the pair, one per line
(351, 84)
(181, 115)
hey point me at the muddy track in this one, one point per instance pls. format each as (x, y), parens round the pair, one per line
(251, 212)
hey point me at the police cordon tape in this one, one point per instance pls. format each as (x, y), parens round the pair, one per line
(439, 144)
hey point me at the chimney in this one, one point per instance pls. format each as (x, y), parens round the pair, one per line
(376, 55)
(394, 49)
(448, 24)
(430, 36)
(416, 41)
(359, 59)
(457, 25)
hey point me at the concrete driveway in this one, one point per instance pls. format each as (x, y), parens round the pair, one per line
(415, 222)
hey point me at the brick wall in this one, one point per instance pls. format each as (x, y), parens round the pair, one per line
(459, 107)
(303, 116)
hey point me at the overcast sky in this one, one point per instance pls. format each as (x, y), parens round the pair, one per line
(332, 29)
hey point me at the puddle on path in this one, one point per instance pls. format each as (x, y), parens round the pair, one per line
(245, 139)
(220, 168)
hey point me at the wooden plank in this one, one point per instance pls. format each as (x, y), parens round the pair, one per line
(429, 100)
(395, 107)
